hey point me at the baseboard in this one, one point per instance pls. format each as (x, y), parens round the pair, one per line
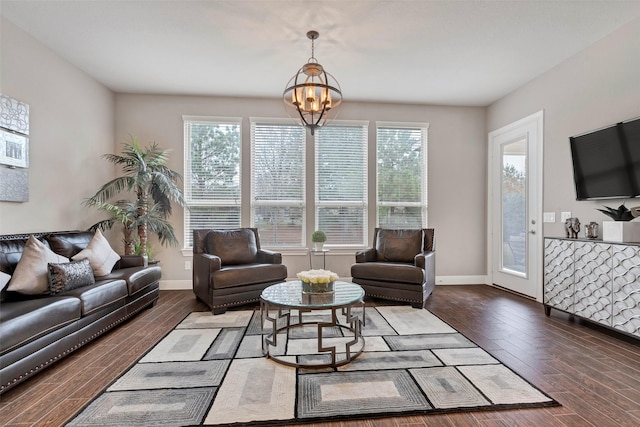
(174, 285)
(461, 280)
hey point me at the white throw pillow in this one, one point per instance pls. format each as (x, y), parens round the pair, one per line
(31, 275)
(4, 279)
(101, 257)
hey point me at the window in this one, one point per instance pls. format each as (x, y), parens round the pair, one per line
(402, 175)
(278, 182)
(212, 174)
(341, 183)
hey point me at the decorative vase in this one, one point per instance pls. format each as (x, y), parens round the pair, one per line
(318, 246)
(316, 288)
(621, 231)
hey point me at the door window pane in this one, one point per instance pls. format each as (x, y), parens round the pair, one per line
(514, 206)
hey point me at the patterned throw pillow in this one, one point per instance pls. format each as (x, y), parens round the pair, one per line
(70, 275)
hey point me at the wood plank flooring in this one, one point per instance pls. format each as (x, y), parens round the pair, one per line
(595, 375)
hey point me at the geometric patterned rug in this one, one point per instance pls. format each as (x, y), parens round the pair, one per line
(210, 370)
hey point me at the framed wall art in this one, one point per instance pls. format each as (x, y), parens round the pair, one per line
(14, 149)
(14, 115)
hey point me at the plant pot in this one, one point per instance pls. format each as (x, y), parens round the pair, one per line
(318, 246)
(316, 288)
(621, 231)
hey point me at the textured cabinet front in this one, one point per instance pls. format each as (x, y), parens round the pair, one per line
(558, 274)
(626, 288)
(592, 279)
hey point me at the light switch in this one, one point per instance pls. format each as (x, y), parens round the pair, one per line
(565, 216)
(549, 217)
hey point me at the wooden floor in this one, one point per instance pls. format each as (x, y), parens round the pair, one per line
(594, 375)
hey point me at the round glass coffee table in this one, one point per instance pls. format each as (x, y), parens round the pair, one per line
(277, 303)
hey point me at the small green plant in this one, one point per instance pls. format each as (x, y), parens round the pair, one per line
(620, 214)
(137, 250)
(318, 236)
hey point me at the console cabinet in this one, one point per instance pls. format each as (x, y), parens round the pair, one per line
(594, 280)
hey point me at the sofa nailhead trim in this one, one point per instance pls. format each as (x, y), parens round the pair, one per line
(74, 348)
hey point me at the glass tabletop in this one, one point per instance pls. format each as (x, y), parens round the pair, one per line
(289, 294)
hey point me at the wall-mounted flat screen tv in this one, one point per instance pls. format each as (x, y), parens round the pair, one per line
(606, 162)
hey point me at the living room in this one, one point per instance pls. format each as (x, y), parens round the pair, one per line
(75, 119)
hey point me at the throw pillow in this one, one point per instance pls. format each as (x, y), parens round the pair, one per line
(101, 257)
(30, 276)
(70, 275)
(4, 279)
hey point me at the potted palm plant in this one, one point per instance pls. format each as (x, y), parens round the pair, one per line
(154, 186)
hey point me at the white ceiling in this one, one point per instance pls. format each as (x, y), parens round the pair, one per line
(430, 52)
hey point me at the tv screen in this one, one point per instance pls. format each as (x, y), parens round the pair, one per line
(606, 162)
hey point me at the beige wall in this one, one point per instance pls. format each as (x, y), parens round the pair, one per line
(456, 175)
(72, 124)
(74, 120)
(597, 87)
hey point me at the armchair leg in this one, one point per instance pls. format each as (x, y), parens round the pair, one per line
(219, 310)
(418, 305)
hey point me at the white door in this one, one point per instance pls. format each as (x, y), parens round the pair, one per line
(515, 206)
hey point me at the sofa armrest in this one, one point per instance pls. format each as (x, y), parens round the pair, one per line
(366, 255)
(269, 257)
(426, 260)
(127, 261)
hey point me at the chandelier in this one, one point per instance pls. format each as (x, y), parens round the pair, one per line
(312, 93)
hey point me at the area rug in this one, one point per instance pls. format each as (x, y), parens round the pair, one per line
(210, 370)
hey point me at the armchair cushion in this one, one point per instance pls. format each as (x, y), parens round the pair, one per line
(232, 246)
(398, 245)
(248, 274)
(389, 272)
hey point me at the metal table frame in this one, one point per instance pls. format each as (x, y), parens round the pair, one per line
(353, 325)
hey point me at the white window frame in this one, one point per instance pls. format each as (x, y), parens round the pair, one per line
(187, 121)
(364, 204)
(302, 204)
(423, 204)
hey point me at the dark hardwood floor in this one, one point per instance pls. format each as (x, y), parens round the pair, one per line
(595, 375)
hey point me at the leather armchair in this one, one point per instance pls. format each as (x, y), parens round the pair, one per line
(400, 266)
(230, 268)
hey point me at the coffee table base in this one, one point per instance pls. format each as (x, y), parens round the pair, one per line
(353, 324)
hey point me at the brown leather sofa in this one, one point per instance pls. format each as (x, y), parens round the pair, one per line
(38, 330)
(400, 266)
(230, 268)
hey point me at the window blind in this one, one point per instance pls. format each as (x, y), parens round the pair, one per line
(278, 182)
(212, 174)
(401, 175)
(341, 183)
